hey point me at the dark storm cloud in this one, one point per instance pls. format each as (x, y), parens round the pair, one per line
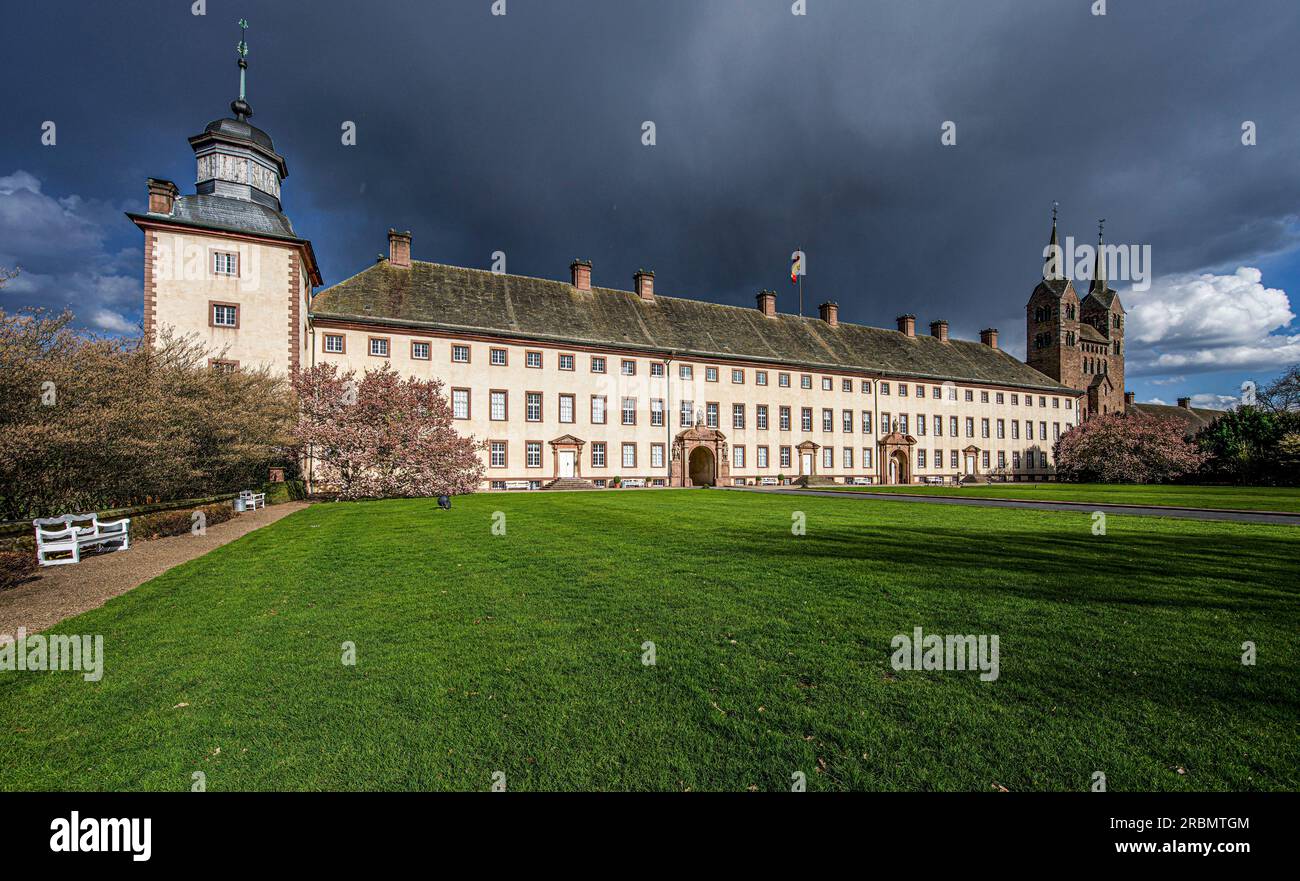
(522, 134)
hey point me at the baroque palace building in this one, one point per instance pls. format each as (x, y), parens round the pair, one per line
(573, 384)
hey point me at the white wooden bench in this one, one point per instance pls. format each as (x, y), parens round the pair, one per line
(252, 500)
(935, 479)
(767, 481)
(860, 481)
(72, 532)
(635, 482)
(517, 484)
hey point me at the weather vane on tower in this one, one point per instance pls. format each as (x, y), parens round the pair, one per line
(241, 107)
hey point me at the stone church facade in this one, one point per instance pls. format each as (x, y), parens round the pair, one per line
(569, 383)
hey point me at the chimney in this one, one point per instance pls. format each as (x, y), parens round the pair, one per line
(907, 324)
(162, 195)
(767, 303)
(830, 313)
(581, 272)
(1128, 400)
(939, 330)
(1185, 403)
(989, 337)
(399, 248)
(645, 284)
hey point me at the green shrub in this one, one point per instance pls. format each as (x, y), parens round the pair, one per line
(16, 567)
(284, 491)
(177, 522)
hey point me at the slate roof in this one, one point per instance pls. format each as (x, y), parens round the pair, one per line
(211, 211)
(457, 299)
(1195, 418)
(1090, 333)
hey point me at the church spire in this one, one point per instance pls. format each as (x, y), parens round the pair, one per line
(1052, 254)
(240, 106)
(1099, 268)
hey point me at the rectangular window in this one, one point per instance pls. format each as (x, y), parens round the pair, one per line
(999, 398)
(711, 414)
(225, 315)
(598, 416)
(846, 421)
(828, 458)
(760, 377)
(1002, 459)
(460, 354)
(1015, 429)
(827, 383)
(498, 357)
(1042, 402)
(920, 459)
(902, 389)
(760, 416)
(566, 408)
(884, 423)
(984, 397)
(1042, 431)
(1015, 400)
(533, 359)
(687, 413)
(379, 346)
(628, 367)
(533, 454)
(657, 412)
(846, 385)
(597, 364)
(984, 460)
(737, 457)
(1029, 429)
(828, 419)
(533, 407)
(598, 454)
(629, 455)
(685, 372)
(784, 457)
(970, 394)
(1015, 459)
(866, 422)
(783, 418)
(805, 381)
(936, 393)
(938, 459)
(629, 411)
(952, 392)
(984, 428)
(566, 361)
(738, 416)
(497, 405)
(1056, 431)
(738, 377)
(952, 426)
(420, 350)
(866, 457)
(761, 460)
(225, 263)
(1002, 429)
(920, 425)
(848, 458)
(884, 388)
(460, 403)
(902, 423)
(938, 426)
(783, 380)
(334, 343)
(970, 426)
(710, 374)
(498, 454)
(657, 369)
(805, 418)
(656, 455)
(952, 459)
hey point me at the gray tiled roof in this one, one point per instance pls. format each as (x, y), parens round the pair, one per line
(223, 212)
(1196, 418)
(436, 296)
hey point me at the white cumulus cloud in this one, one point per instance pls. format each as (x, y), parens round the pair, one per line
(1204, 322)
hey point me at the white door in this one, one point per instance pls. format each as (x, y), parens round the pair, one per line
(566, 463)
(970, 464)
(893, 471)
(807, 463)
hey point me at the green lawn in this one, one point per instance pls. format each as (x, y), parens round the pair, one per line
(1253, 498)
(522, 653)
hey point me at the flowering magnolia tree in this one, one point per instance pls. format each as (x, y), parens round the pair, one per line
(1127, 448)
(381, 435)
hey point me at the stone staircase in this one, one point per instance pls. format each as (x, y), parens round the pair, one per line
(569, 483)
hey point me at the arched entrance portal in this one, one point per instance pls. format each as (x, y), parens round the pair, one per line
(898, 468)
(701, 467)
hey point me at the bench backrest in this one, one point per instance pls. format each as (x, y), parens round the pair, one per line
(83, 523)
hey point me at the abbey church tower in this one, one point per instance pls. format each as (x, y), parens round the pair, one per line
(1077, 342)
(225, 264)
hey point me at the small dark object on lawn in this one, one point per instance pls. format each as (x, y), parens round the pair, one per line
(444, 502)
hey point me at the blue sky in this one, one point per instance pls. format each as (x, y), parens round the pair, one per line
(523, 133)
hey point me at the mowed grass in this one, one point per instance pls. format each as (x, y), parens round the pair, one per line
(1247, 498)
(522, 653)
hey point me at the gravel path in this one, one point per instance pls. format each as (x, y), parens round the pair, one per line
(60, 592)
